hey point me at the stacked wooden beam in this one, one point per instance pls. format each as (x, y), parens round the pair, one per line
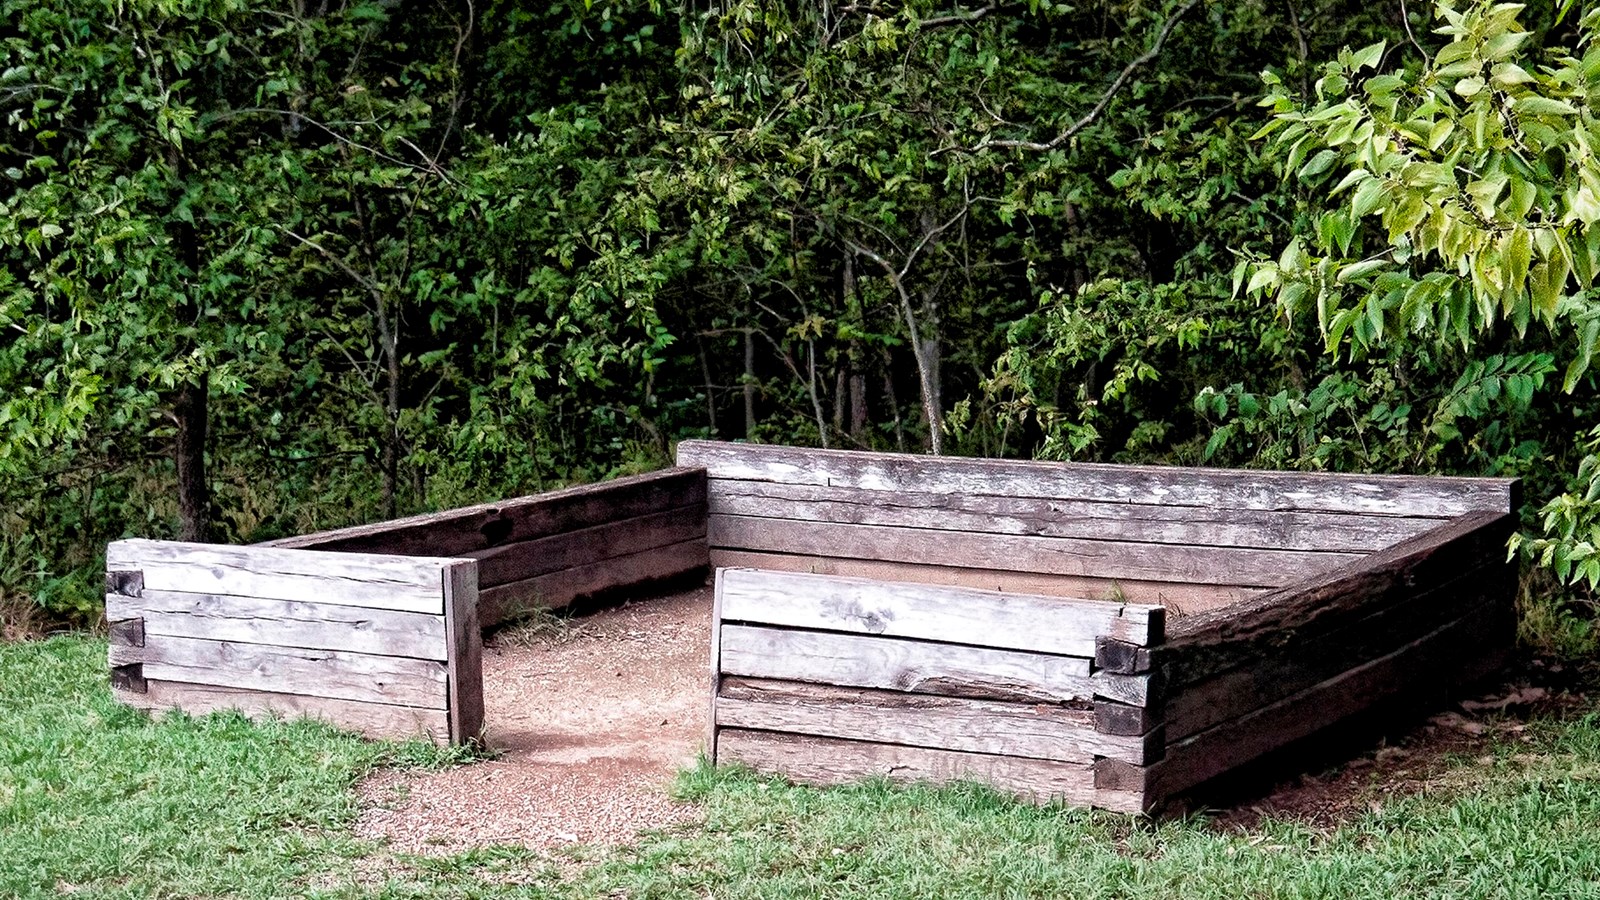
(1295, 601)
(830, 679)
(546, 550)
(385, 645)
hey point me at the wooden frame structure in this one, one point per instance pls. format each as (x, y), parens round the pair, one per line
(1107, 636)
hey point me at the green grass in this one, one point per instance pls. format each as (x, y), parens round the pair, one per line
(99, 801)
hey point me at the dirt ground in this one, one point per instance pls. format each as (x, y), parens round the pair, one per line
(591, 717)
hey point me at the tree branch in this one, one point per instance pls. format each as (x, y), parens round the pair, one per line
(1111, 93)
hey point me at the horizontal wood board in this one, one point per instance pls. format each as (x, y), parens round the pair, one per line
(1179, 598)
(831, 761)
(403, 583)
(504, 602)
(933, 612)
(1396, 495)
(1045, 555)
(374, 720)
(473, 528)
(286, 623)
(1033, 730)
(1200, 526)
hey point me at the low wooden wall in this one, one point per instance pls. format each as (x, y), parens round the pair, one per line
(385, 645)
(931, 618)
(546, 550)
(830, 679)
(1190, 539)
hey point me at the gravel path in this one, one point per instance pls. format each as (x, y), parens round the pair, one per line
(592, 720)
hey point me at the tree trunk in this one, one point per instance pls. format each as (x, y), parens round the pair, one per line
(190, 409)
(749, 384)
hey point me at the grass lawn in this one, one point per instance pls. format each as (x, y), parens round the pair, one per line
(99, 801)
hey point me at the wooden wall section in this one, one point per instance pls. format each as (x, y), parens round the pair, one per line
(388, 646)
(546, 550)
(1190, 539)
(829, 679)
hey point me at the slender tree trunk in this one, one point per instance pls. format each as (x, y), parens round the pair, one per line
(749, 384)
(858, 406)
(190, 409)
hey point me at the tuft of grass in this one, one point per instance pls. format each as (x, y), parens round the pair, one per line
(100, 801)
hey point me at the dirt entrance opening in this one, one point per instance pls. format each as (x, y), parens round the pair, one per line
(591, 717)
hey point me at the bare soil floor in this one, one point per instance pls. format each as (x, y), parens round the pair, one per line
(591, 716)
(594, 715)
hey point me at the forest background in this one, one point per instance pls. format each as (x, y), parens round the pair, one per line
(272, 267)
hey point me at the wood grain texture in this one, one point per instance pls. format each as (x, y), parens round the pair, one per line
(334, 674)
(1397, 495)
(1180, 599)
(464, 667)
(1037, 731)
(927, 612)
(715, 669)
(284, 623)
(830, 761)
(374, 720)
(920, 667)
(1203, 645)
(505, 602)
(1044, 555)
(1298, 662)
(408, 583)
(529, 559)
(472, 528)
(1201, 526)
(1456, 651)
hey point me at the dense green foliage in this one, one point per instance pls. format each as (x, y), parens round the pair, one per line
(475, 249)
(98, 801)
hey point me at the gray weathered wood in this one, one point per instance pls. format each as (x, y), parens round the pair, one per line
(716, 666)
(505, 602)
(464, 667)
(1202, 645)
(1039, 731)
(1458, 649)
(1181, 599)
(917, 666)
(346, 579)
(1054, 556)
(929, 612)
(471, 528)
(1298, 661)
(529, 559)
(1397, 495)
(1085, 519)
(375, 720)
(284, 623)
(830, 761)
(321, 673)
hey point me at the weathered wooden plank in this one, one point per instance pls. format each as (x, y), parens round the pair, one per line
(284, 623)
(1457, 650)
(464, 667)
(1202, 645)
(409, 583)
(1398, 495)
(1086, 519)
(830, 761)
(716, 665)
(529, 559)
(1039, 731)
(124, 630)
(1299, 662)
(470, 528)
(375, 720)
(1054, 556)
(920, 667)
(1181, 599)
(934, 613)
(320, 673)
(505, 602)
